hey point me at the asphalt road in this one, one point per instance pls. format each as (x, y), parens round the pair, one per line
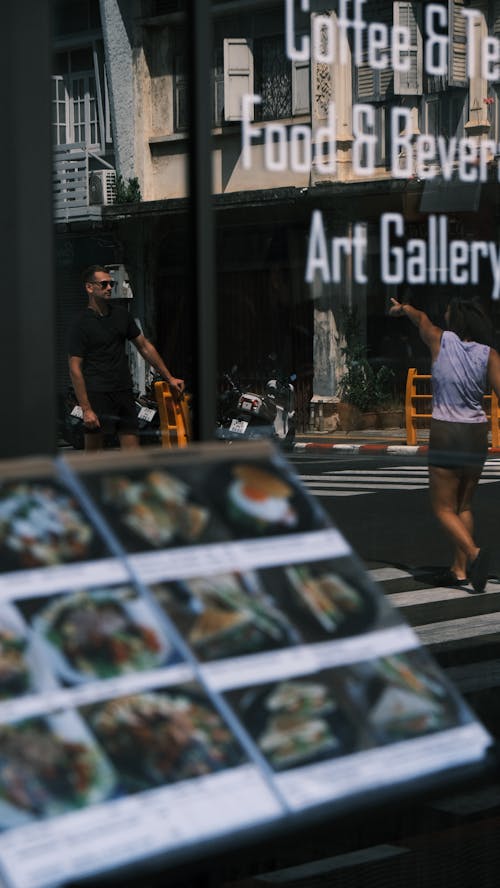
(381, 505)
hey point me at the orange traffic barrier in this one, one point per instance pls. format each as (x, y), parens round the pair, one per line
(418, 407)
(175, 418)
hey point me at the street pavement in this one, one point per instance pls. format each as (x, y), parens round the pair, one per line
(380, 437)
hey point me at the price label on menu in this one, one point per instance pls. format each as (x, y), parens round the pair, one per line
(40, 581)
(248, 555)
(375, 768)
(382, 643)
(121, 832)
(239, 671)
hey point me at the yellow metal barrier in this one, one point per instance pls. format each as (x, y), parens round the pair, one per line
(418, 407)
(175, 419)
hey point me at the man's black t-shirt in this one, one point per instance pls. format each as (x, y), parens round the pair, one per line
(100, 341)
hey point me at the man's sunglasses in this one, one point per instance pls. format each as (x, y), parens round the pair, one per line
(103, 284)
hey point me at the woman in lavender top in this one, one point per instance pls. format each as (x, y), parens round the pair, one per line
(464, 367)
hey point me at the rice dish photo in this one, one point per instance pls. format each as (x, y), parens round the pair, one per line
(43, 774)
(15, 676)
(99, 634)
(162, 737)
(41, 525)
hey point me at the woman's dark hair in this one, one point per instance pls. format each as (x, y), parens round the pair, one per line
(468, 320)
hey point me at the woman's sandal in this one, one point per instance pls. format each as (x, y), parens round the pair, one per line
(479, 570)
(449, 578)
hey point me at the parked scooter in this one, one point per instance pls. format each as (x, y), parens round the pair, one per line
(247, 415)
(282, 391)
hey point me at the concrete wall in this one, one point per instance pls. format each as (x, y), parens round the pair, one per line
(116, 20)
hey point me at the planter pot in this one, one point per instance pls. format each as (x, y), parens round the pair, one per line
(391, 419)
(368, 420)
(349, 416)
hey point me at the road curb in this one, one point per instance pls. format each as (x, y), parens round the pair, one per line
(402, 449)
(399, 449)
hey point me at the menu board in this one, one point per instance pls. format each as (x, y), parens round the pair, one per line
(190, 650)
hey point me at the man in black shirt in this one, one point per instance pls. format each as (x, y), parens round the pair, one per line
(98, 363)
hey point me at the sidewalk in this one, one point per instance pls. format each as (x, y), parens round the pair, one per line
(372, 441)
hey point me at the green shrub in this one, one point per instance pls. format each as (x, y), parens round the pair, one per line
(361, 385)
(127, 191)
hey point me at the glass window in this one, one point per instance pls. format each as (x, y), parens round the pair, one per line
(75, 99)
(243, 65)
(74, 16)
(273, 78)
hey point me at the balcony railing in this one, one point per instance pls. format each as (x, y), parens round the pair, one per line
(79, 191)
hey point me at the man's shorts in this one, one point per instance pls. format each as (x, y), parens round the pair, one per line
(116, 411)
(456, 445)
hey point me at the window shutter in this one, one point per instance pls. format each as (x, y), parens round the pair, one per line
(238, 75)
(409, 83)
(301, 88)
(367, 84)
(374, 84)
(457, 63)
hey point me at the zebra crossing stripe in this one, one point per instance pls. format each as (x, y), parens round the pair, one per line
(337, 492)
(379, 574)
(345, 482)
(462, 630)
(318, 486)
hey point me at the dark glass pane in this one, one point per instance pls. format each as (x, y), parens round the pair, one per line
(82, 60)
(273, 78)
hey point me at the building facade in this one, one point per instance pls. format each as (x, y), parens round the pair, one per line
(347, 138)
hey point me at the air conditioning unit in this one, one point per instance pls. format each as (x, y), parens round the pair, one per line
(102, 187)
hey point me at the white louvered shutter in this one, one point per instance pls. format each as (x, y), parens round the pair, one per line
(373, 85)
(410, 83)
(301, 88)
(238, 75)
(457, 62)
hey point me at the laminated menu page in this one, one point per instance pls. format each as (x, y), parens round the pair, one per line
(190, 652)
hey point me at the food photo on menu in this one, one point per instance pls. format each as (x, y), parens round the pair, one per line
(336, 712)
(42, 525)
(225, 615)
(325, 599)
(258, 498)
(297, 721)
(163, 736)
(404, 696)
(97, 633)
(23, 668)
(50, 765)
(153, 509)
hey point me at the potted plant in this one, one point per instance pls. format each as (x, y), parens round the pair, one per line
(362, 389)
(391, 415)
